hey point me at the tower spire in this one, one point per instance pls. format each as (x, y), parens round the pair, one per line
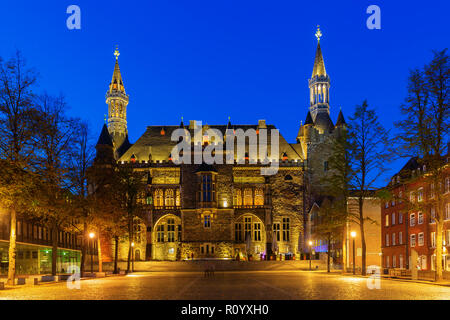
(319, 84)
(117, 101)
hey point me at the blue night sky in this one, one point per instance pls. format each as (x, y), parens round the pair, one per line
(210, 59)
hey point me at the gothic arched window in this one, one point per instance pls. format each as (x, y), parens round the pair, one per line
(237, 197)
(248, 197)
(170, 201)
(259, 197)
(159, 198)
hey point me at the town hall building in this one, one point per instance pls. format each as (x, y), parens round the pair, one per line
(223, 211)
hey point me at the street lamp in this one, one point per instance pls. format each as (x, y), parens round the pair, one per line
(132, 257)
(92, 235)
(353, 234)
(310, 253)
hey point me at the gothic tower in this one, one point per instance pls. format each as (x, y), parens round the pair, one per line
(319, 84)
(117, 101)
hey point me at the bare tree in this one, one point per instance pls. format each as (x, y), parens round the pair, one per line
(16, 148)
(370, 155)
(56, 137)
(424, 131)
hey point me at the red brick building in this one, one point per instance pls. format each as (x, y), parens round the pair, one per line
(406, 227)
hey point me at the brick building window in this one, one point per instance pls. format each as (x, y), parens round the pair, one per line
(400, 218)
(420, 195)
(286, 229)
(393, 239)
(400, 237)
(433, 239)
(393, 218)
(400, 197)
(432, 214)
(412, 220)
(386, 220)
(387, 240)
(394, 262)
(420, 237)
(432, 191)
(447, 185)
(412, 240)
(420, 218)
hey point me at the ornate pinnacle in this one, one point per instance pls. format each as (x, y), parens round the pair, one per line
(117, 53)
(318, 33)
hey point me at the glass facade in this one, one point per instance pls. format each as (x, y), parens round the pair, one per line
(35, 259)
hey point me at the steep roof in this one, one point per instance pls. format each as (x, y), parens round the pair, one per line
(104, 139)
(340, 120)
(319, 64)
(124, 147)
(323, 122)
(309, 119)
(159, 145)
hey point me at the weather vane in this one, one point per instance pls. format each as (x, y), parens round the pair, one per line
(117, 53)
(318, 33)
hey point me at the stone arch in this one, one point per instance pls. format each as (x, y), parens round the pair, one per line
(249, 224)
(166, 237)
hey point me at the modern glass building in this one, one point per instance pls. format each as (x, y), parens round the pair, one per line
(34, 248)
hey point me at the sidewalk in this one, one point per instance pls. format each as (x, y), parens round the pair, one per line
(60, 278)
(444, 283)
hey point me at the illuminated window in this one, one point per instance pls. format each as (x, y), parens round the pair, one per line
(237, 197)
(160, 233)
(413, 240)
(420, 194)
(412, 220)
(286, 229)
(259, 197)
(207, 221)
(420, 239)
(247, 227)
(248, 197)
(276, 230)
(257, 232)
(171, 230)
(159, 198)
(420, 218)
(169, 199)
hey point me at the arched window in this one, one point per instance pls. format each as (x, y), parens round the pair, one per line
(170, 201)
(159, 198)
(248, 197)
(237, 197)
(177, 198)
(259, 197)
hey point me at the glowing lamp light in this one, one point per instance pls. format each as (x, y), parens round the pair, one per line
(91, 235)
(225, 203)
(353, 234)
(310, 243)
(132, 244)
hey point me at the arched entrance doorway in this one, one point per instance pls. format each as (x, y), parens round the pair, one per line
(249, 237)
(166, 238)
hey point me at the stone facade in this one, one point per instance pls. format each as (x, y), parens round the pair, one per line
(224, 211)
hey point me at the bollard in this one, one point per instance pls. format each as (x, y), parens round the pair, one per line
(2, 286)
